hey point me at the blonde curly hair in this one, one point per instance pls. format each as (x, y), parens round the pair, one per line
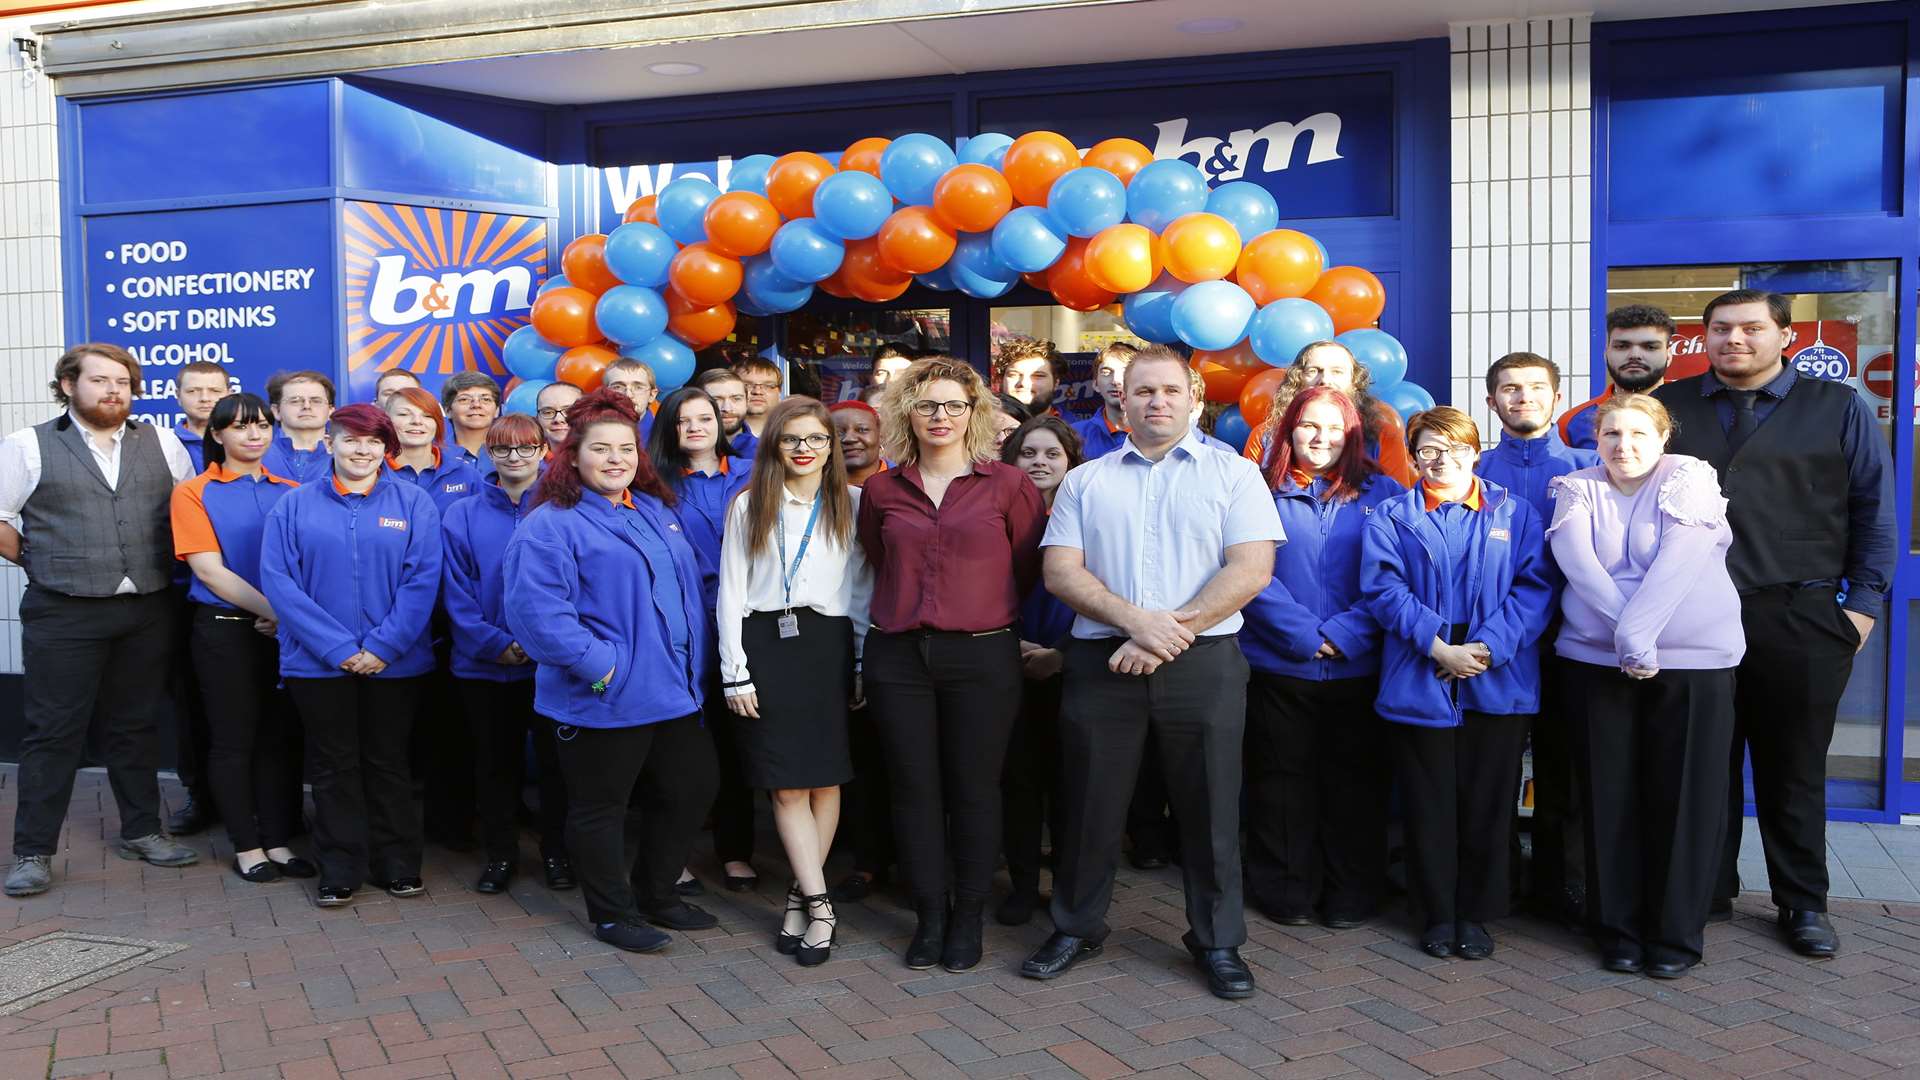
(896, 408)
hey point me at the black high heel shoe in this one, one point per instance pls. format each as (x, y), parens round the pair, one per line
(815, 955)
(788, 944)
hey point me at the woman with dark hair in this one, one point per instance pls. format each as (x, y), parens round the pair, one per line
(1316, 768)
(603, 593)
(419, 425)
(492, 674)
(1046, 448)
(218, 517)
(704, 472)
(352, 569)
(794, 588)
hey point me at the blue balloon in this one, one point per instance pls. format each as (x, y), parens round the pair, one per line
(772, 291)
(979, 286)
(631, 314)
(1028, 239)
(851, 205)
(1326, 260)
(1248, 205)
(1086, 200)
(668, 356)
(1149, 312)
(989, 149)
(744, 305)
(1385, 358)
(1163, 191)
(804, 251)
(912, 164)
(525, 398)
(529, 355)
(638, 253)
(1284, 327)
(682, 208)
(1407, 398)
(1212, 314)
(940, 280)
(1232, 428)
(974, 253)
(750, 174)
(557, 281)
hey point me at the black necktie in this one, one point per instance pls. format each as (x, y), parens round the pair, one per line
(1744, 420)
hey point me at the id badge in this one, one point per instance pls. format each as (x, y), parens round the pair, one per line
(789, 625)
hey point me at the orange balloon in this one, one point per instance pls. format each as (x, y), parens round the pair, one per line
(703, 275)
(835, 284)
(1121, 157)
(1035, 161)
(1256, 397)
(914, 241)
(699, 325)
(741, 223)
(1200, 247)
(863, 270)
(642, 209)
(1225, 371)
(972, 198)
(879, 293)
(864, 156)
(1354, 297)
(1124, 258)
(791, 180)
(1278, 264)
(564, 316)
(584, 262)
(1036, 278)
(583, 365)
(1070, 283)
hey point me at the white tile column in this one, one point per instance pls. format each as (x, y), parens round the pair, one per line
(1522, 183)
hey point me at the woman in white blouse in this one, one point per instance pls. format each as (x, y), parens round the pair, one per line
(794, 588)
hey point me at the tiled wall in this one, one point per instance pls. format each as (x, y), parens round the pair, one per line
(1522, 144)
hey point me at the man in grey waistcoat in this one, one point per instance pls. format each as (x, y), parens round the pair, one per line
(84, 507)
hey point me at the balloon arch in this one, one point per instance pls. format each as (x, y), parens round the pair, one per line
(1207, 267)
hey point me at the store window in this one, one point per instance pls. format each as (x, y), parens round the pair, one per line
(1079, 335)
(836, 348)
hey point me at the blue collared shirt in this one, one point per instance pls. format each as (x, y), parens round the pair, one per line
(1155, 532)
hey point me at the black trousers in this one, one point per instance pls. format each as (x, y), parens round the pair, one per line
(733, 800)
(867, 803)
(635, 799)
(1559, 827)
(1029, 785)
(1457, 790)
(1193, 711)
(366, 825)
(500, 717)
(193, 739)
(1317, 790)
(249, 727)
(91, 663)
(442, 751)
(1653, 750)
(1800, 648)
(1150, 825)
(944, 704)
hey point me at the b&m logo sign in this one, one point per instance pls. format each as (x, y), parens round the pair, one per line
(435, 291)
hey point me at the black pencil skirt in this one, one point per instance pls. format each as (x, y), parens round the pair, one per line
(804, 683)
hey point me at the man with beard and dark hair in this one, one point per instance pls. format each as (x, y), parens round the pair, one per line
(84, 507)
(1638, 336)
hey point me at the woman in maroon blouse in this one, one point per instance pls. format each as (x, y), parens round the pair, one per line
(954, 539)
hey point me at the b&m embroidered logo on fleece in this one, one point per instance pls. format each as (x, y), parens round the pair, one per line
(394, 523)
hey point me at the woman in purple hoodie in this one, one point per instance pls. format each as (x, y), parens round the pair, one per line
(1649, 644)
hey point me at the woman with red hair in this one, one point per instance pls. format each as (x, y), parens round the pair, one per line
(1316, 770)
(419, 425)
(604, 594)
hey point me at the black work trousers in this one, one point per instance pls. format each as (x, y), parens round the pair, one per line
(442, 750)
(1558, 869)
(193, 739)
(1458, 793)
(1192, 714)
(366, 824)
(733, 800)
(249, 726)
(1029, 785)
(867, 802)
(500, 717)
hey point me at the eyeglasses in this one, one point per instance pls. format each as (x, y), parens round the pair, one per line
(1427, 455)
(474, 399)
(515, 451)
(932, 408)
(816, 441)
(762, 387)
(552, 414)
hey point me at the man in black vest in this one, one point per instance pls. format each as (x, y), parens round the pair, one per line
(84, 504)
(1809, 484)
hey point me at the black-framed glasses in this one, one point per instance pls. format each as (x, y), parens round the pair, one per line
(819, 440)
(1427, 455)
(515, 451)
(933, 408)
(551, 415)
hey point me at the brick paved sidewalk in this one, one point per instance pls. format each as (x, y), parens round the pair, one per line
(512, 986)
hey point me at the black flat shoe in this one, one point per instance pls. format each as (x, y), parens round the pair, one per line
(560, 873)
(1472, 941)
(1343, 920)
(631, 937)
(1057, 954)
(334, 896)
(690, 887)
(1720, 911)
(297, 867)
(191, 818)
(261, 873)
(495, 878)
(1623, 959)
(682, 916)
(1437, 942)
(402, 888)
(1227, 975)
(1809, 933)
(739, 883)
(1284, 917)
(854, 888)
(1669, 969)
(1151, 860)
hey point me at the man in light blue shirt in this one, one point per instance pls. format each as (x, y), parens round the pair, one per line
(1157, 546)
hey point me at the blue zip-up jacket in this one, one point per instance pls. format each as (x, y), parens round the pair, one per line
(585, 596)
(474, 535)
(299, 466)
(1314, 595)
(1526, 466)
(348, 572)
(451, 450)
(702, 511)
(1045, 619)
(446, 482)
(1405, 575)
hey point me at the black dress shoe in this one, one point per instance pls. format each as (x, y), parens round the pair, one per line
(559, 872)
(854, 888)
(494, 878)
(334, 896)
(1472, 942)
(1809, 933)
(929, 936)
(402, 888)
(1287, 918)
(632, 937)
(1622, 958)
(297, 867)
(681, 915)
(1438, 942)
(742, 882)
(690, 887)
(1343, 920)
(191, 818)
(1018, 908)
(1148, 860)
(1720, 911)
(1227, 974)
(261, 873)
(1669, 969)
(1056, 954)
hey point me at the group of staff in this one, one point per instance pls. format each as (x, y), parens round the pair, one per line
(986, 633)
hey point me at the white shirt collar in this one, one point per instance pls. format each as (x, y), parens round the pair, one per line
(119, 430)
(1190, 442)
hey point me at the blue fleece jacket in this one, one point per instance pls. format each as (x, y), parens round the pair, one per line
(348, 572)
(299, 466)
(446, 482)
(474, 534)
(597, 588)
(1406, 576)
(702, 511)
(1526, 466)
(1314, 595)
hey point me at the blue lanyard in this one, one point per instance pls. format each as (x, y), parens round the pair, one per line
(792, 573)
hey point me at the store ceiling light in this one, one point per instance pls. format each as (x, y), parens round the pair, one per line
(675, 67)
(1210, 26)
